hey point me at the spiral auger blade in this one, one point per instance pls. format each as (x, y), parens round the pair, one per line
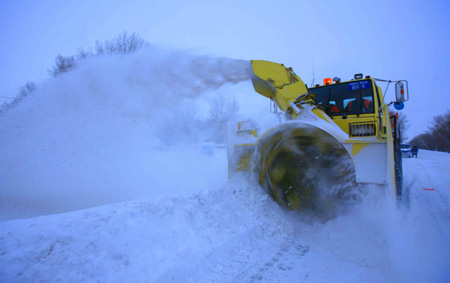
(305, 168)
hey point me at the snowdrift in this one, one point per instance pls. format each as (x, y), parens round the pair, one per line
(161, 240)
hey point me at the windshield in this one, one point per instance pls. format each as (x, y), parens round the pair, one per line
(345, 98)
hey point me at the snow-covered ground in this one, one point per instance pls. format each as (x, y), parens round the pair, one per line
(233, 232)
(91, 192)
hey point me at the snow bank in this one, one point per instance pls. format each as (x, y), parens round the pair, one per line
(233, 234)
(163, 240)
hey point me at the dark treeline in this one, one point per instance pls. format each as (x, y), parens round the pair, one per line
(437, 137)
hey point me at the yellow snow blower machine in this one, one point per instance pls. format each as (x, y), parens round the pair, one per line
(332, 138)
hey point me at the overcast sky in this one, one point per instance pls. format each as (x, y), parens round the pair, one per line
(385, 39)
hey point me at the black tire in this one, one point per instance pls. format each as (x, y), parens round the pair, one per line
(398, 163)
(398, 173)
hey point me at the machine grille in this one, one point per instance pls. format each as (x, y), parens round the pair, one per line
(362, 129)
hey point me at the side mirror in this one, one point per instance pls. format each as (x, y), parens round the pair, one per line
(401, 92)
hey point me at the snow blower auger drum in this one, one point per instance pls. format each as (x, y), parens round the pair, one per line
(304, 168)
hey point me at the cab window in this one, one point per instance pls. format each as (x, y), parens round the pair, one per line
(345, 98)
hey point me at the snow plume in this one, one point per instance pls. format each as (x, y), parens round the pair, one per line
(99, 133)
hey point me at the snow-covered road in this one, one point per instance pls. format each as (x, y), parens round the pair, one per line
(235, 233)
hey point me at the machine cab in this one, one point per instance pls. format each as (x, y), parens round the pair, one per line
(353, 105)
(347, 98)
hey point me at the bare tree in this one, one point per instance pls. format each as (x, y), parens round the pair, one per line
(440, 130)
(122, 44)
(62, 64)
(222, 110)
(99, 48)
(438, 135)
(423, 141)
(84, 53)
(403, 124)
(28, 88)
(24, 91)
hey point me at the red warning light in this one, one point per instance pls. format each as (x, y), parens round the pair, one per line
(327, 81)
